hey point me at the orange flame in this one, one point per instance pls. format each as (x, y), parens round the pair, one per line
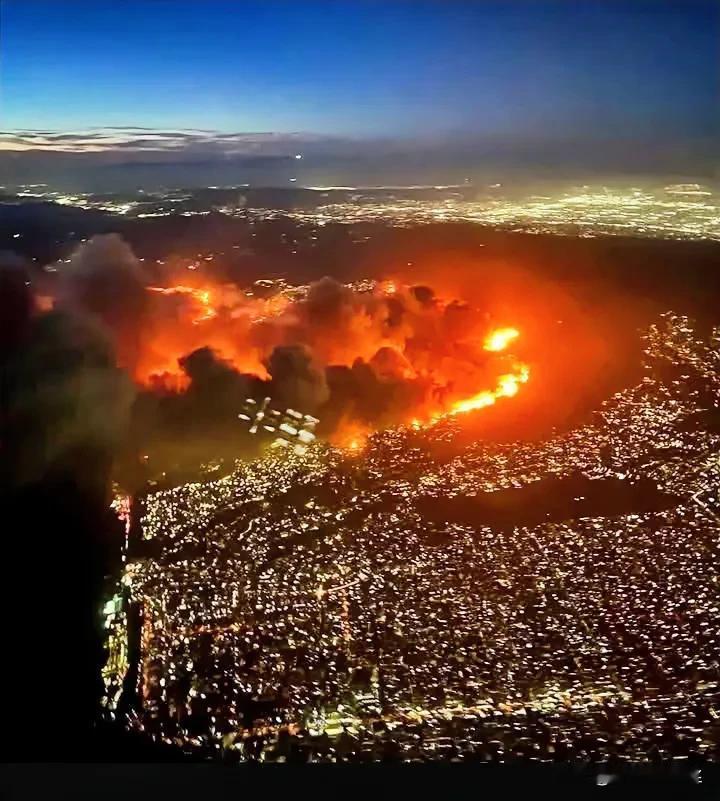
(507, 386)
(202, 296)
(213, 315)
(500, 338)
(351, 436)
(44, 303)
(237, 326)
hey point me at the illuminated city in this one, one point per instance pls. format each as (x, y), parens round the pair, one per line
(676, 211)
(360, 397)
(343, 604)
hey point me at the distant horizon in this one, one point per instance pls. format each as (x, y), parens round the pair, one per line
(516, 182)
(383, 165)
(434, 90)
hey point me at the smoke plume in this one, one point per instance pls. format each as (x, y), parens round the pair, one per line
(357, 356)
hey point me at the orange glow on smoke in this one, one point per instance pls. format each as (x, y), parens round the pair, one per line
(203, 297)
(184, 318)
(440, 350)
(351, 436)
(44, 303)
(507, 386)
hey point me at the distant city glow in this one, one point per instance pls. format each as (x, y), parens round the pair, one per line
(680, 211)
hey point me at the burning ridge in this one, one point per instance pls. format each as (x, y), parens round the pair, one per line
(358, 356)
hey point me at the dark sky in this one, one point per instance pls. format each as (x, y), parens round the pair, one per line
(523, 74)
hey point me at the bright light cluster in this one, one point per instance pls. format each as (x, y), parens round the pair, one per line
(669, 212)
(313, 591)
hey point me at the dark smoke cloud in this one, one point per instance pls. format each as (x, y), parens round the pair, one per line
(295, 381)
(64, 411)
(354, 359)
(66, 404)
(105, 280)
(217, 391)
(367, 395)
(198, 418)
(15, 299)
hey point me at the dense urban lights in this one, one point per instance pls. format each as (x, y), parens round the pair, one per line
(314, 595)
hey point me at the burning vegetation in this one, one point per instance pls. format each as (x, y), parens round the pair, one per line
(358, 356)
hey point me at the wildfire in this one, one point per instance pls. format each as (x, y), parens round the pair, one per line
(500, 338)
(203, 298)
(44, 303)
(361, 356)
(230, 321)
(507, 386)
(213, 315)
(351, 436)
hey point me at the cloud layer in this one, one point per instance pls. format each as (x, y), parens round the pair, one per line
(83, 160)
(146, 141)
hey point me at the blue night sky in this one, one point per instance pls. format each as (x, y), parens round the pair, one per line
(200, 92)
(485, 69)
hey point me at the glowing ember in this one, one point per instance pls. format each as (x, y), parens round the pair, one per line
(350, 436)
(44, 303)
(499, 339)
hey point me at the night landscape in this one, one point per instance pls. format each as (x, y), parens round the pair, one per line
(360, 389)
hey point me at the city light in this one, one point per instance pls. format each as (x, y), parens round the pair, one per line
(340, 588)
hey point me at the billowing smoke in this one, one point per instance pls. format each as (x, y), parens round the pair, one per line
(65, 408)
(295, 381)
(65, 403)
(104, 280)
(359, 357)
(16, 302)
